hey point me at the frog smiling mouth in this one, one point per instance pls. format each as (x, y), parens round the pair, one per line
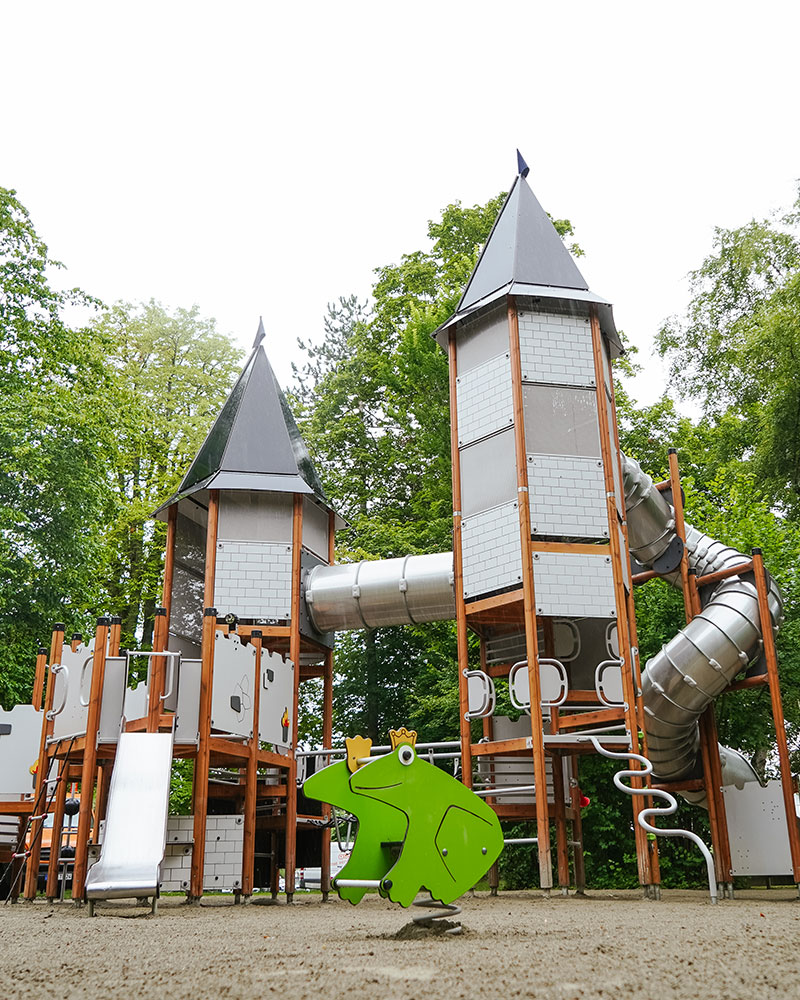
(376, 788)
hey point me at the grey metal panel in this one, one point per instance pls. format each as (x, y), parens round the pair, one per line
(276, 700)
(556, 348)
(136, 819)
(254, 516)
(573, 585)
(187, 710)
(560, 421)
(488, 472)
(234, 680)
(19, 749)
(757, 830)
(315, 528)
(567, 497)
(484, 401)
(522, 246)
(482, 338)
(115, 680)
(490, 545)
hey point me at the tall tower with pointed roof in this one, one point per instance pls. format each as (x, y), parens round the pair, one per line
(540, 553)
(249, 520)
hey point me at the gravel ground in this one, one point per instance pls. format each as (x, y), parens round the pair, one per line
(518, 944)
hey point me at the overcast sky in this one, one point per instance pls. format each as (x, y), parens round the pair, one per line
(262, 158)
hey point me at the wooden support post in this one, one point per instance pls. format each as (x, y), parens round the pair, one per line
(462, 639)
(104, 772)
(114, 635)
(327, 739)
(577, 826)
(707, 726)
(51, 890)
(89, 768)
(251, 777)
(41, 792)
(157, 671)
(609, 448)
(529, 605)
(202, 760)
(560, 815)
(771, 658)
(290, 859)
(38, 681)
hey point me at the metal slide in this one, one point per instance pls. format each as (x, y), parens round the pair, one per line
(679, 682)
(136, 821)
(696, 666)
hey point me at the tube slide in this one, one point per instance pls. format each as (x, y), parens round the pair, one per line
(695, 667)
(678, 683)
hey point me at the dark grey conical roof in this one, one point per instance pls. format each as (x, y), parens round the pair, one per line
(254, 444)
(523, 246)
(524, 255)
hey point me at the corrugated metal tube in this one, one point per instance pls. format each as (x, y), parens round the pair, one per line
(372, 594)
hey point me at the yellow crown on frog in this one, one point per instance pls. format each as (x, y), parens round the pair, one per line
(402, 735)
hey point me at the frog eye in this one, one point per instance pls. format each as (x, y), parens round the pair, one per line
(405, 754)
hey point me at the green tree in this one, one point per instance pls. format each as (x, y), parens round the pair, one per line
(170, 374)
(53, 429)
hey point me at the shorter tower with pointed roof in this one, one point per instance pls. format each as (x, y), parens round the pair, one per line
(255, 462)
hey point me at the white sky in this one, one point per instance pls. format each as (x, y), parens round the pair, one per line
(263, 158)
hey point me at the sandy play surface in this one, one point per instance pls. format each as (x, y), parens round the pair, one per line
(606, 945)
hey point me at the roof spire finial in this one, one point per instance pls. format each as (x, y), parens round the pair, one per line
(522, 167)
(260, 334)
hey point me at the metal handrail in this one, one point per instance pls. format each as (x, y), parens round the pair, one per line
(652, 811)
(59, 668)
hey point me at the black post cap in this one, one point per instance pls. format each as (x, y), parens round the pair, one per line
(692, 571)
(59, 628)
(42, 651)
(256, 633)
(103, 621)
(209, 612)
(161, 612)
(756, 551)
(116, 619)
(672, 451)
(77, 637)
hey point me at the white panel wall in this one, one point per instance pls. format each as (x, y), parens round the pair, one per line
(556, 349)
(253, 578)
(491, 551)
(574, 585)
(223, 856)
(567, 496)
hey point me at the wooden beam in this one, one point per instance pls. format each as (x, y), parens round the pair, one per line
(38, 681)
(615, 508)
(251, 780)
(529, 602)
(462, 640)
(202, 760)
(771, 658)
(89, 768)
(40, 795)
(290, 838)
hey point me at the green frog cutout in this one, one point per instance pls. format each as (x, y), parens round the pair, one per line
(447, 836)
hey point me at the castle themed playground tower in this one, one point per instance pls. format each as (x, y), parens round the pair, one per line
(249, 520)
(541, 564)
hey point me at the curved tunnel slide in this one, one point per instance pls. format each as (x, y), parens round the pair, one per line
(678, 683)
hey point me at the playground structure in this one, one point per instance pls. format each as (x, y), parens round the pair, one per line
(552, 529)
